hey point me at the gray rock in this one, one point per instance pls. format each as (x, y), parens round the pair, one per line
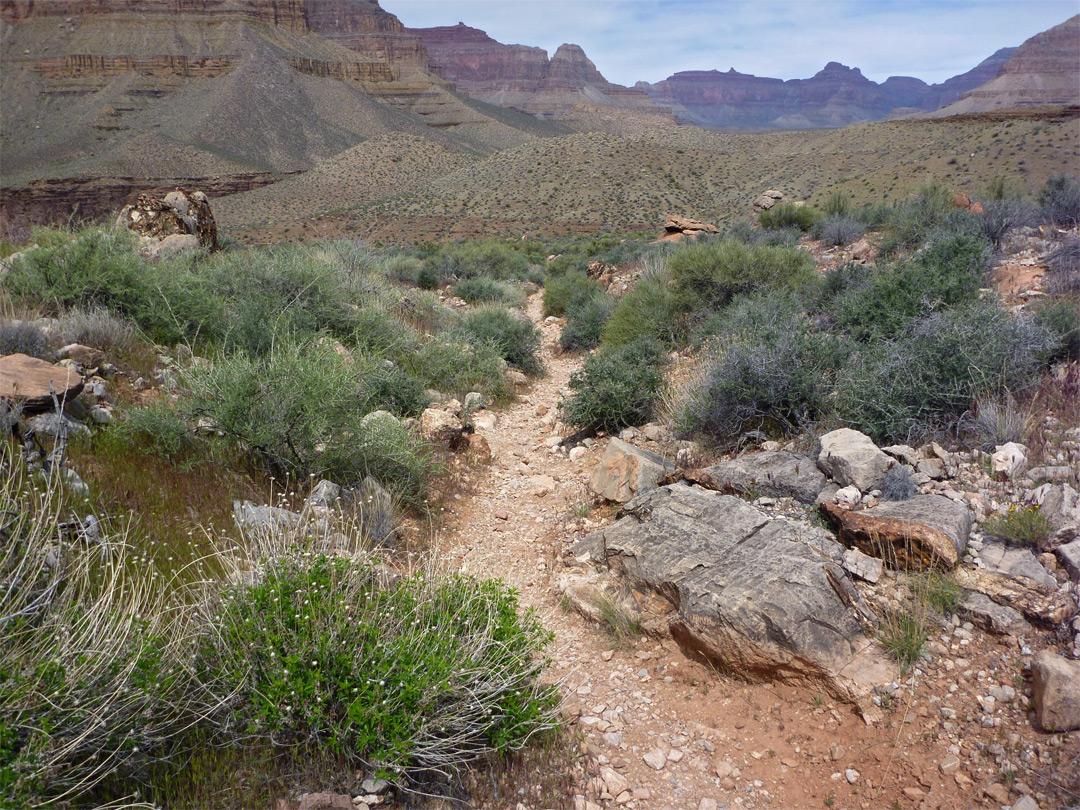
(862, 565)
(850, 457)
(904, 453)
(53, 424)
(1014, 562)
(101, 416)
(1025, 803)
(625, 471)
(326, 493)
(951, 518)
(474, 401)
(983, 611)
(1008, 460)
(1069, 556)
(745, 590)
(1055, 686)
(1060, 504)
(1056, 474)
(269, 520)
(774, 473)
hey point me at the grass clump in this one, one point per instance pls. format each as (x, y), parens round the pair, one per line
(22, 337)
(904, 635)
(839, 229)
(618, 620)
(943, 593)
(1060, 200)
(617, 387)
(1020, 525)
(454, 367)
(898, 484)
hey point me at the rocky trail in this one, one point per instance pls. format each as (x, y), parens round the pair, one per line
(659, 730)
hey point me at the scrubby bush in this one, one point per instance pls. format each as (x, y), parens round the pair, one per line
(711, 273)
(1004, 215)
(483, 290)
(616, 387)
(788, 215)
(22, 337)
(454, 367)
(926, 378)
(898, 484)
(947, 273)
(1022, 526)
(912, 223)
(411, 681)
(839, 230)
(1061, 318)
(652, 308)
(156, 428)
(299, 410)
(513, 336)
(585, 322)
(427, 278)
(561, 292)
(1064, 266)
(1060, 200)
(496, 260)
(95, 327)
(837, 205)
(767, 370)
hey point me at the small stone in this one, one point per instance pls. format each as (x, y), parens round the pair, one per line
(707, 804)
(615, 781)
(1025, 803)
(655, 759)
(577, 453)
(951, 764)
(502, 515)
(997, 792)
(851, 775)
(837, 752)
(723, 768)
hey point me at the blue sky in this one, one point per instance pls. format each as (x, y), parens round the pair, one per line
(631, 40)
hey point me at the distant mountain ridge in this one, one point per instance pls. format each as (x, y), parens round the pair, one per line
(522, 77)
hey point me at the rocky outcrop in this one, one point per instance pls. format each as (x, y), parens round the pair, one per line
(1044, 70)
(677, 228)
(523, 77)
(759, 597)
(849, 457)
(626, 471)
(1055, 686)
(178, 213)
(774, 473)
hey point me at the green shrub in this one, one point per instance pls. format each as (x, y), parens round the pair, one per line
(651, 309)
(386, 386)
(947, 273)
(709, 274)
(1022, 526)
(156, 428)
(1060, 200)
(299, 410)
(943, 593)
(585, 321)
(928, 376)
(427, 278)
(768, 371)
(427, 675)
(513, 337)
(481, 289)
(616, 388)
(837, 205)
(496, 260)
(454, 367)
(382, 334)
(565, 291)
(788, 215)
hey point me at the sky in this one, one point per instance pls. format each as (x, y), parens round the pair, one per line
(634, 40)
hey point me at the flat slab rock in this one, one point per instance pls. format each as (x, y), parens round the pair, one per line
(26, 380)
(773, 473)
(983, 611)
(763, 598)
(923, 532)
(1015, 562)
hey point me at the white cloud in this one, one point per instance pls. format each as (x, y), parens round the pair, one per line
(631, 40)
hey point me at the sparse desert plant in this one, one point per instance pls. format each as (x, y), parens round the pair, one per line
(837, 205)
(1060, 200)
(1019, 525)
(585, 321)
(943, 593)
(839, 230)
(788, 215)
(95, 327)
(1064, 266)
(616, 388)
(904, 635)
(512, 336)
(618, 620)
(157, 428)
(1004, 215)
(898, 484)
(455, 367)
(23, 337)
(1001, 419)
(1061, 317)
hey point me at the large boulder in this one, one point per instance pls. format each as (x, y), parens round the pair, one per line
(441, 427)
(180, 212)
(767, 200)
(849, 457)
(31, 383)
(773, 473)
(760, 597)
(1055, 685)
(625, 471)
(927, 531)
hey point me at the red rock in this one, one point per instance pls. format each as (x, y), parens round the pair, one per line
(961, 201)
(26, 380)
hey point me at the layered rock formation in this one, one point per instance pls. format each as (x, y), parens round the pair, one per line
(835, 96)
(1043, 71)
(522, 77)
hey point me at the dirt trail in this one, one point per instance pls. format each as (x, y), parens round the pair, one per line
(666, 733)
